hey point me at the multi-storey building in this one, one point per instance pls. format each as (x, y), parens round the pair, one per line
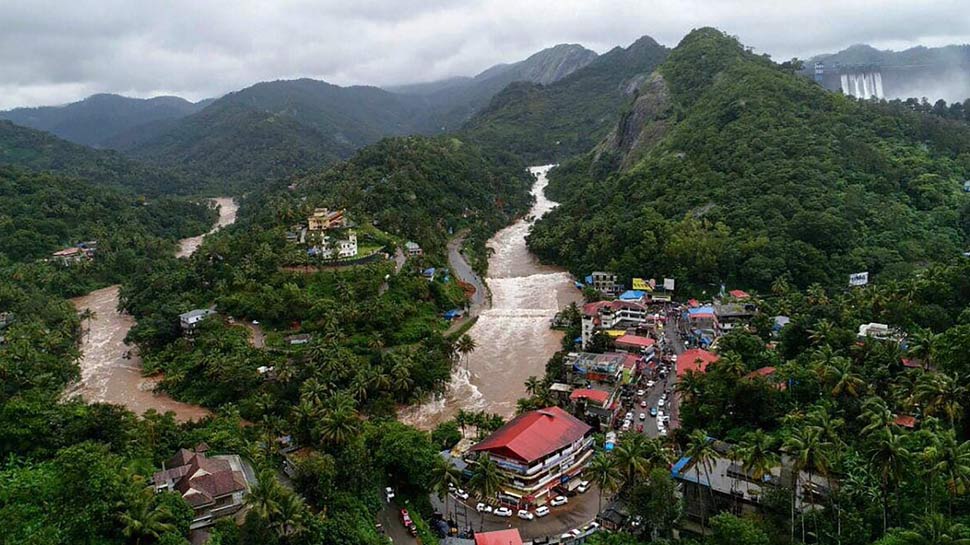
(537, 452)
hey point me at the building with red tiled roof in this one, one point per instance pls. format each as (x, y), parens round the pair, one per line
(905, 421)
(499, 537)
(696, 360)
(536, 452)
(635, 343)
(739, 294)
(600, 397)
(213, 487)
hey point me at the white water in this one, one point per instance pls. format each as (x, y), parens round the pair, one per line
(863, 85)
(513, 336)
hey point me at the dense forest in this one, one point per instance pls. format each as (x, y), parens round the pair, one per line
(753, 174)
(546, 123)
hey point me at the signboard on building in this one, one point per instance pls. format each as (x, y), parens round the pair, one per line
(859, 278)
(640, 284)
(669, 284)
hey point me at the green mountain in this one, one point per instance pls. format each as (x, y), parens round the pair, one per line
(41, 151)
(568, 116)
(99, 119)
(455, 100)
(730, 168)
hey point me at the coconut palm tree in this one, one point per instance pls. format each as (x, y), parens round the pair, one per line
(700, 450)
(822, 333)
(603, 471)
(141, 518)
(951, 459)
(877, 414)
(462, 418)
(887, 457)
(486, 479)
(690, 386)
(840, 378)
(757, 454)
(921, 344)
(532, 385)
(466, 345)
(339, 421)
(290, 518)
(264, 497)
(935, 529)
(940, 395)
(444, 474)
(809, 450)
(631, 455)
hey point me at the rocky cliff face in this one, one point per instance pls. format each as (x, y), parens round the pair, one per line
(553, 64)
(641, 127)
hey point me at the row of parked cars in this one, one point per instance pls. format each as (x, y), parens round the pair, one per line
(524, 514)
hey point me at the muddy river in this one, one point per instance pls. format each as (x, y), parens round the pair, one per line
(513, 336)
(110, 369)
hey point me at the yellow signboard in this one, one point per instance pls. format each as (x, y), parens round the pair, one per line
(641, 285)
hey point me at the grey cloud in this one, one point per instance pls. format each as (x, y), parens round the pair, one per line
(55, 51)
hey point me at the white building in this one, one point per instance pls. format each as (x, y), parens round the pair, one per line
(611, 315)
(337, 249)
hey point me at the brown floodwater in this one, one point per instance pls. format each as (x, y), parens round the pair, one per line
(111, 371)
(513, 336)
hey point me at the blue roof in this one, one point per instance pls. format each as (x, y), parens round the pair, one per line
(675, 471)
(429, 271)
(632, 295)
(700, 310)
(589, 279)
(453, 313)
(577, 340)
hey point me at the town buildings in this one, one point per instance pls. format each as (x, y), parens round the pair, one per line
(603, 282)
(724, 485)
(214, 487)
(609, 368)
(536, 453)
(499, 537)
(324, 219)
(610, 316)
(333, 248)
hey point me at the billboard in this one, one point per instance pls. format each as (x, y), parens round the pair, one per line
(669, 284)
(859, 278)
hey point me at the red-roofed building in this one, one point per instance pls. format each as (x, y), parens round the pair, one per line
(600, 397)
(499, 537)
(635, 343)
(213, 487)
(739, 294)
(536, 452)
(767, 373)
(905, 421)
(696, 360)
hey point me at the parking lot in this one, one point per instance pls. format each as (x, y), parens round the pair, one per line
(580, 511)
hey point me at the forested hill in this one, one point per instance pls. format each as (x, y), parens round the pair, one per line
(98, 119)
(41, 151)
(736, 170)
(550, 122)
(42, 212)
(414, 187)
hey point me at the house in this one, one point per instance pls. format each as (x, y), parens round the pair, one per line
(740, 295)
(599, 404)
(637, 296)
(611, 315)
(429, 273)
(603, 282)
(412, 249)
(695, 360)
(499, 537)
(331, 248)
(881, 332)
(213, 486)
(560, 391)
(324, 219)
(724, 485)
(779, 323)
(614, 516)
(702, 324)
(190, 320)
(537, 452)
(731, 315)
(301, 338)
(636, 344)
(608, 368)
(70, 256)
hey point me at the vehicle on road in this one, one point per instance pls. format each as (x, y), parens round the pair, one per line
(643, 404)
(483, 508)
(651, 383)
(641, 393)
(662, 402)
(542, 511)
(583, 487)
(643, 416)
(662, 432)
(502, 512)
(591, 526)
(629, 416)
(653, 411)
(389, 494)
(559, 500)
(461, 494)
(626, 425)
(524, 514)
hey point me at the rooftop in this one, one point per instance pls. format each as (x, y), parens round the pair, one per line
(599, 397)
(695, 359)
(636, 341)
(533, 435)
(499, 537)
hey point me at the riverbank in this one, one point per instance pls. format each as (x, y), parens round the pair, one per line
(513, 334)
(111, 370)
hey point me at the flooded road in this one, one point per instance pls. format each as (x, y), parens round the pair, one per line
(107, 375)
(513, 336)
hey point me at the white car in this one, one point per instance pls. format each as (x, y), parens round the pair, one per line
(665, 418)
(583, 487)
(651, 383)
(524, 514)
(591, 526)
(461, 494)
(542, 511)
(626, 426)
(641, 393)
(483, 508)
(255, 322)
(662, 433)
(662, 402)
(389, 492)
(643, 416)
(502, 512)
(559, 500)
(451, 487)
(629, 416)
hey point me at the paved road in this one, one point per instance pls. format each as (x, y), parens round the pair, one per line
(462, 270)
(393, 528)
(653, 394)
(580, 510)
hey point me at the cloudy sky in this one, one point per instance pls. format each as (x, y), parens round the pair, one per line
(53, 52)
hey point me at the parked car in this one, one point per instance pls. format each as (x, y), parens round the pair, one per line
(591, 526)
(653, 411)
(643, 416)
(629, 416)
(626, 425)
(502, 512)
(643, 404)
(662, 402)
(389, 493)
(406, 518)
(461, 494)
(483, 508)
(583, 487)
(559, 500)
(662, 432)
(524, 514)
(542, 511)
(641, 393)
(651, 383)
